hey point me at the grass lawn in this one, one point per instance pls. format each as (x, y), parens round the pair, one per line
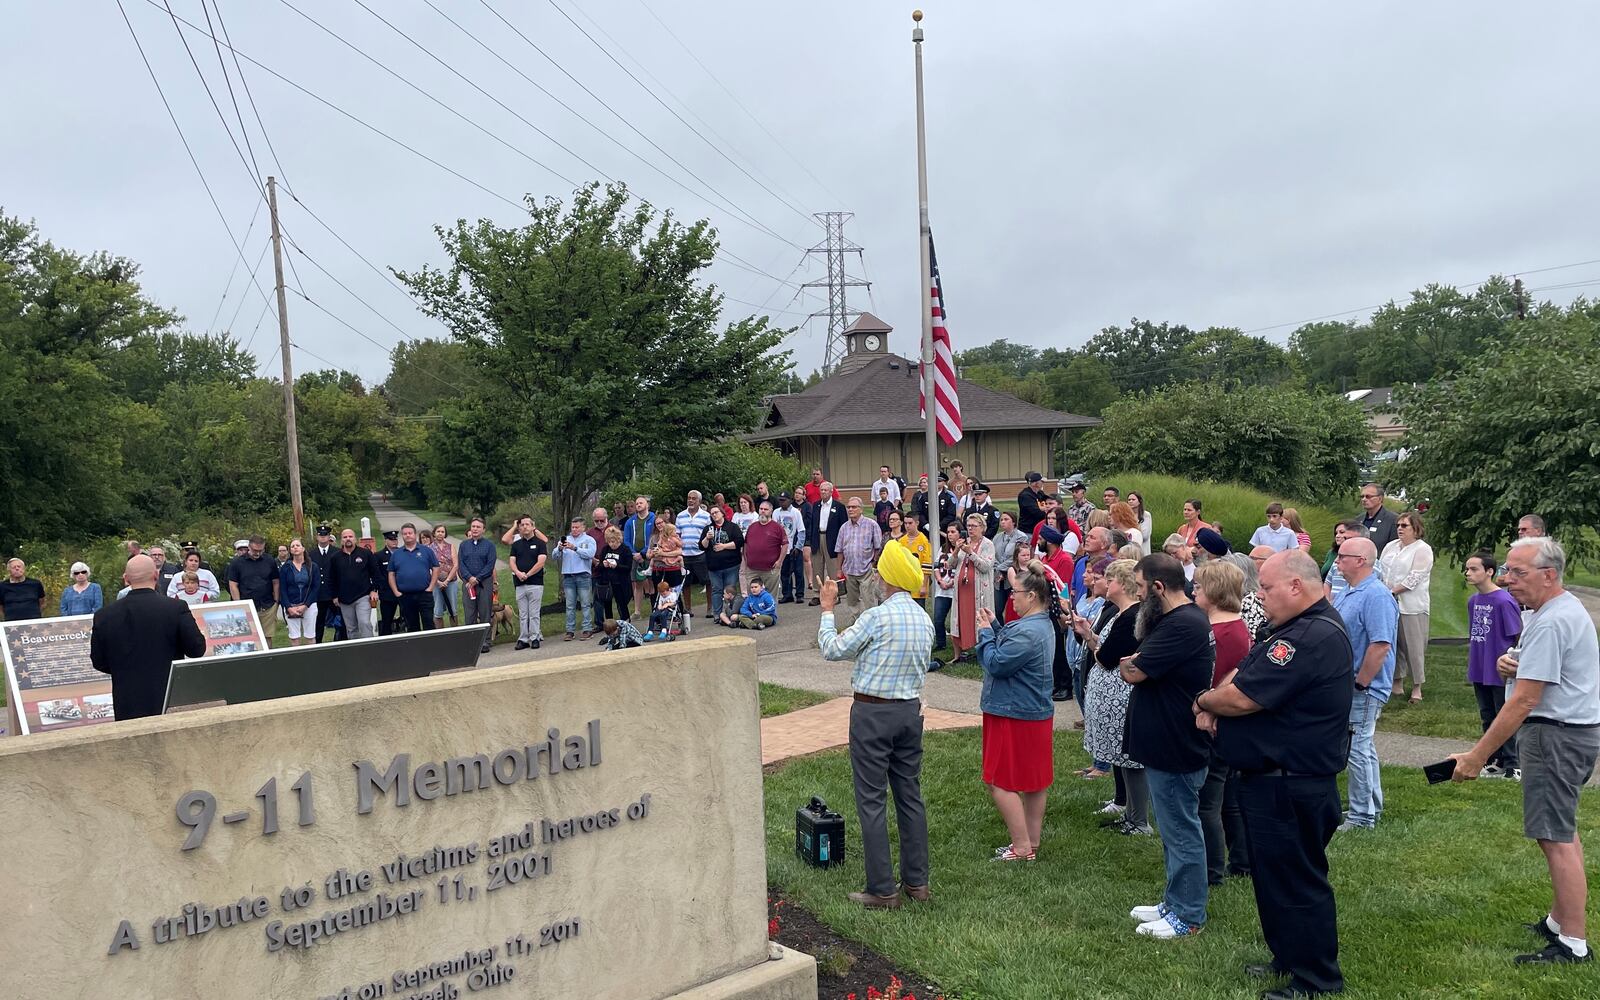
(1448, 707)
(779, 700)
(1429, 904)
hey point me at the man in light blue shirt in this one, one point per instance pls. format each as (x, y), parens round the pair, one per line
(1371, 620)
(1275, 534)
(577, 586)
(891, 644)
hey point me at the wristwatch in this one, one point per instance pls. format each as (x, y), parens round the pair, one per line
(1362, 687)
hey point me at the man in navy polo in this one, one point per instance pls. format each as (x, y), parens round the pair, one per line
(413, 573)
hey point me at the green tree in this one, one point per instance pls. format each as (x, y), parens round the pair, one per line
(1083, 385)
(1515, 432)
(1281, 439)
(473, 462)
(1434, 334)
(61, 315)
(424, 373)
(1141, 355)
(1222, 354)
(727, 467)
(1327, 353)
(596, 322)
(147, 363)
(1015, 360)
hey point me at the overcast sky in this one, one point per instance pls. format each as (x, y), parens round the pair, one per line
(1244, 164)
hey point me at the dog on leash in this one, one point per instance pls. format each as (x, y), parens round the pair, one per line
(505, 620)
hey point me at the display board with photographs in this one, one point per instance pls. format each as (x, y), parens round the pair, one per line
(230, 628)
(51, 684)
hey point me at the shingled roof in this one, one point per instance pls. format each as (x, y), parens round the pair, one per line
(881, 397)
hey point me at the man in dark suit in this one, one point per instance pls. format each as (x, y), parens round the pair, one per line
(322, 553)
(136, 639)
(823, 520)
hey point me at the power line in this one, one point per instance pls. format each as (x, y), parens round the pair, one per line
(228, 285)
(232, 98)
(521, 206)
(386, 349)
(265, 246)
(255, 175)
(737, 210)
(245, 84)
(657, 98)
(726, 90)
(184, 139)
(738, 213)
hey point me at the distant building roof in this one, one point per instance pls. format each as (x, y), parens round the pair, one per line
(1371, 399)
(868, 323)
(881, 397)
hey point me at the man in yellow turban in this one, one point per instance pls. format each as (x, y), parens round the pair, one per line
(891, 645)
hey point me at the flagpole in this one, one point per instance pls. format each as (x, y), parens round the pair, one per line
(931, 437)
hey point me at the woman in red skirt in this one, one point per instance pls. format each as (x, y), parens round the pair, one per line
(1018, 747)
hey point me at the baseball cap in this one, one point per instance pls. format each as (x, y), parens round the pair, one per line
(243, 543)
(785, 495)
(1034, 477)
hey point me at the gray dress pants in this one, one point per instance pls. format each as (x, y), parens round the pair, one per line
(885, 756)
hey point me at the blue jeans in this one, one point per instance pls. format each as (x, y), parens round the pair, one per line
(1364, 786)
(1175, 795)
(941, 611)
(447, 599)
(722, 579)
(576, 589)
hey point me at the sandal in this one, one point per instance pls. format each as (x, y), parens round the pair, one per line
(1416, 698)
(1094, 773)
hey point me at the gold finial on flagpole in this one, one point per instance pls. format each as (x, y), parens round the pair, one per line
(916, 15)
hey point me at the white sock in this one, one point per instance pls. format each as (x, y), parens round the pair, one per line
(1550, 922)
(1579, 946)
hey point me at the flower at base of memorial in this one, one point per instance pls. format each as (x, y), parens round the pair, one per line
(772, 927)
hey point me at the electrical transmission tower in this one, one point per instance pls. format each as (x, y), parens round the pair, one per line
(833, 248)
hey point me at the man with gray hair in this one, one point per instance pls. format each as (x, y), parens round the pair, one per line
(1531, 526)
(1372, 622)
(1553, 708)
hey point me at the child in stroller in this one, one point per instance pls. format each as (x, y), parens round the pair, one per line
(667, 620)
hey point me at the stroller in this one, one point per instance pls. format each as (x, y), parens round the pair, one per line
(670, 623)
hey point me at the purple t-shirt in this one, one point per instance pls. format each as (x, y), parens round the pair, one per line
(1495, 621)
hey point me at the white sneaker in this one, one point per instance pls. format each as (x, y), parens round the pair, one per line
(1166, 928)
(1112, 809)
(1145, 914)
(1516, 774)
(1492, 771)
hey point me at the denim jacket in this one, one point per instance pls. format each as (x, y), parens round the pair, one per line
(298, 587)
(1017, 660)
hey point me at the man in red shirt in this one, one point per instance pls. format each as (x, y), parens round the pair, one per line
(765, 545)
(814, 488)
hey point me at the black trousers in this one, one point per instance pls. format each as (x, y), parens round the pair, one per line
(1289, 822)
(388, 609)
(416, 611)
(325, 612)
(1491, 699)
(792, 575)
(618, 603)
(1227, 847)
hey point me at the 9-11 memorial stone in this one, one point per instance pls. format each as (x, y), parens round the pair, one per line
(584, 827)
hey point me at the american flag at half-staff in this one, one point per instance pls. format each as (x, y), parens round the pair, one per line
(947, 407)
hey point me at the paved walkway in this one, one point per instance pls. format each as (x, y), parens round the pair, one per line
(827, 725)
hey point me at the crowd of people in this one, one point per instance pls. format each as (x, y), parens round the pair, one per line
(1224, 691)
(1221, 691)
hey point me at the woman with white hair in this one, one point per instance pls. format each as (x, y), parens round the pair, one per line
(1406, 566)
(84, 597)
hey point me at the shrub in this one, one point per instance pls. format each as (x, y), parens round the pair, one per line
(1282, 439)
(1239, 509)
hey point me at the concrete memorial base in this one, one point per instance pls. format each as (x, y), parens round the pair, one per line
(583, 827)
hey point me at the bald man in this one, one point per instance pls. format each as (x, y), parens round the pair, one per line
(1282, 722)
(1371, 619)
(136, 639)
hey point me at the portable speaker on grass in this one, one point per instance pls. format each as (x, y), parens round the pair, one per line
(819, 834)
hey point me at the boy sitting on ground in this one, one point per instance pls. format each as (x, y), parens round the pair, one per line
(759, 610)
(619, 635)
(661, 617)
(730, 605)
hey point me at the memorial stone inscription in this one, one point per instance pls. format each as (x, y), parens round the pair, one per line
(429, 872)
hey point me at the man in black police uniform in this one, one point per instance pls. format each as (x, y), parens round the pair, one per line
(388, 604)
(321, 554)
(1283, 723)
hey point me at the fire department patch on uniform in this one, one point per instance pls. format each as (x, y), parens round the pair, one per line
(1280, 652)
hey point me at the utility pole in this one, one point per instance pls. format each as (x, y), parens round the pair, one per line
(288, 368)
(1521, 299)
(833, 248)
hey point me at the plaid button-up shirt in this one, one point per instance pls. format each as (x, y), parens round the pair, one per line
(858, 545)
(890, 643)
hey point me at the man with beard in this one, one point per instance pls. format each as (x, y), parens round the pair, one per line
(1283, 723)
(1173, 665)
